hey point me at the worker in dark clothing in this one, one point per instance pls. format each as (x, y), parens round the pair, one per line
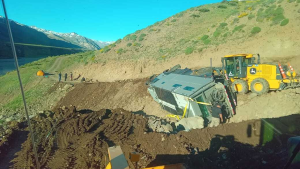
(71, 76)
(59, 76)
(216, 113)
(66, 75)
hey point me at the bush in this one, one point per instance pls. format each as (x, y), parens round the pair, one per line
(204, 37)
(233, 3)
(217, 33)
(223, 25)
(236, 20)
(238, 28)
(141, 38)
(226, 34)
(242, 15)
(207, 41)
(189, 50)
(222, 6)
(120, 51)
(255, 30)
(129, 44)
(106, 49)
(195, 16)
(251, 16)
(136, 44)
(204, 10)
(173, 20)
(118, 41)
(284, 22)
(133, 37)
(290, 1)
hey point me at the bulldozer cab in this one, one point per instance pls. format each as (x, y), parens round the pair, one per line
(235, 66)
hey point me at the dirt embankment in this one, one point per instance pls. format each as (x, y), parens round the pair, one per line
(130, 95)
(79, 139)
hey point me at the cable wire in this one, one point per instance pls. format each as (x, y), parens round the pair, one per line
(21, 86)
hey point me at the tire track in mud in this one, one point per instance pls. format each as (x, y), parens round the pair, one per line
(81, 139)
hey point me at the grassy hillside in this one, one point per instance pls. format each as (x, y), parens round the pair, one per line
(36, 87)
(196, 29)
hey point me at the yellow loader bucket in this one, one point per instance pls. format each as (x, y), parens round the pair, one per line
(172, 166)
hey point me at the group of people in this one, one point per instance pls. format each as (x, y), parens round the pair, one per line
(66, 76)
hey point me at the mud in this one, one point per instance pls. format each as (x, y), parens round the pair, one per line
(79, 139)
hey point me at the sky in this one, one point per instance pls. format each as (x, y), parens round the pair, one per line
(106, 20)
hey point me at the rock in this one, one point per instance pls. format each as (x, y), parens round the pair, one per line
(162, 138)
(190, 123)
(167, 128)
(63, 107)
(252, 95)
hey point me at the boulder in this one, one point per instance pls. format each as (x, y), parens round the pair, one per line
(190, 123)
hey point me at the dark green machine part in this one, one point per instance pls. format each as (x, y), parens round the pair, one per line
(236, 67)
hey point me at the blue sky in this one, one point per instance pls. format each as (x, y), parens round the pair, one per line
(96, 19)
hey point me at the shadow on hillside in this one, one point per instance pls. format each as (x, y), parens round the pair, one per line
(227, 152)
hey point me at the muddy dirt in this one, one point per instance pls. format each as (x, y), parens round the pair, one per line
(130, 95)
(79, 139)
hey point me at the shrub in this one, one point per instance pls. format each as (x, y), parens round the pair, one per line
(290, 1)
(129, 44)
(195, 16)
(226, 34)
(106, 49)
(284, 22)
(251, 16)
(118, 41)
(183, 41)
(204, 10)
(173, 20)
(204, 37)
(120, 51)
(298, 1)
(233, 3)
(242, 15)
(141, 38)
(133, 37)
(255, 30)
(222, 6)
(217, 33)
(238, 28)
(223, 25)
(136, 44)
(207, 41)
(189, 50)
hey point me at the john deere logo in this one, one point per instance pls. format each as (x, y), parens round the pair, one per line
(252, 71)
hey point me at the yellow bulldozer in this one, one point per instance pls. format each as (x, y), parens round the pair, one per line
(248, 74)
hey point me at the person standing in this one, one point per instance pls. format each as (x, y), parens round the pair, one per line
(216, 113)
(66, 76)
(71, 76)
(59, 77)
